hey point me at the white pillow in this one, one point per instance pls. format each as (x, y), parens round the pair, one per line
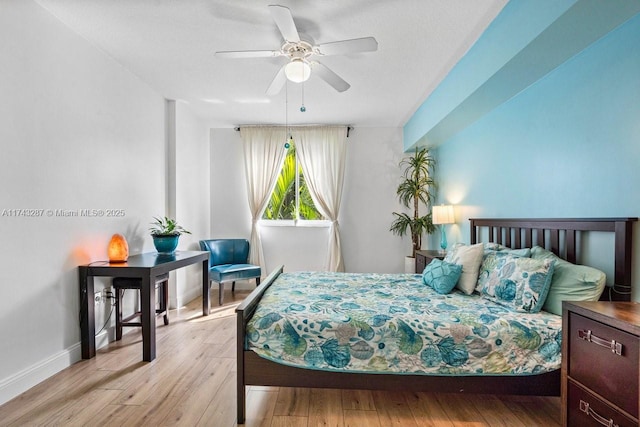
(470, 258)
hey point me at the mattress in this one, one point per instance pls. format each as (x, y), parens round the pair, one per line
(393, 323)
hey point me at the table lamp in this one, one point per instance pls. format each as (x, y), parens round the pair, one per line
(442, 215)
(118, 249)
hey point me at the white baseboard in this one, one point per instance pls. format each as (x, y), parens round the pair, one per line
(194, 292)
(22, 381)
(242, 285)
(187, 296)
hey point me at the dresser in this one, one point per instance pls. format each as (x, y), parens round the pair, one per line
(600, 363)
(424, 257)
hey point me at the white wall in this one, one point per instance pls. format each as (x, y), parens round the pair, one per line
(77, 131)
(369, 199)
(189, 196)
(230, 216)
(371, 178)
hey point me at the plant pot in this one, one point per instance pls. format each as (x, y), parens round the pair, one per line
(409, 264)
(166, 244)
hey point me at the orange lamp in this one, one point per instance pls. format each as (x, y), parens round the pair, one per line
(118, 249)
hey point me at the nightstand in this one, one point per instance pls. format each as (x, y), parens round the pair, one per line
(600, 369)
(424, 257)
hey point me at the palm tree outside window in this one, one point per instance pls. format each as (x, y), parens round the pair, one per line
(290, 199)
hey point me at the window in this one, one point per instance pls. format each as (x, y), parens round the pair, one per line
(290, 199)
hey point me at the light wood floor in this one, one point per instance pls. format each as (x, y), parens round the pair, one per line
(192, 383)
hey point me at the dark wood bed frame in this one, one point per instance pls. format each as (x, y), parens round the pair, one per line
(560, 236)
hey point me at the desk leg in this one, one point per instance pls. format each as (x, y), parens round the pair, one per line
(206, 305)
(148, 318)
(87, 315)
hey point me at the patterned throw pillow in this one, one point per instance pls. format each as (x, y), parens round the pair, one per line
(492, 260)
(441, 276)
(492, 247)
(519, 283)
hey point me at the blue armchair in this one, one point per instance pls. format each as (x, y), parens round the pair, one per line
(228, 262)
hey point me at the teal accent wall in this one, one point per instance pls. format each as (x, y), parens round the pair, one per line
(566, 146)
(526, 41)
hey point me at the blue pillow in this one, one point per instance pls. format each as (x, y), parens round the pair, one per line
(441, 276)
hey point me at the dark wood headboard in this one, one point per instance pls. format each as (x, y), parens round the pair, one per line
(559, 235)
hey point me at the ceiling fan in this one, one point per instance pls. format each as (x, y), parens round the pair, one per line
(301, 52)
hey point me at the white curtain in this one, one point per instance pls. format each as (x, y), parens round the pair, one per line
(322, 153)
(264, 154)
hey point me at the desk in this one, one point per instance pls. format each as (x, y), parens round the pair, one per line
(145, 267)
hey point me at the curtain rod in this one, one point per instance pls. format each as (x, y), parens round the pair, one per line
(237, 128)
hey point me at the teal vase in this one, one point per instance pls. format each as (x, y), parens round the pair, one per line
(166, 244)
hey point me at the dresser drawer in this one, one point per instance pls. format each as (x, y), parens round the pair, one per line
(586, 410)
(605, 360)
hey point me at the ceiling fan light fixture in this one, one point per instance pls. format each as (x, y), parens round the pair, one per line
(298, 70)
(301, 51)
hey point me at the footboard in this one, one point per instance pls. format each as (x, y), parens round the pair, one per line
(243, 313)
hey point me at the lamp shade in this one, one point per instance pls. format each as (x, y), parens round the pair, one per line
(297, 70)
(442, 214)
(118, 249)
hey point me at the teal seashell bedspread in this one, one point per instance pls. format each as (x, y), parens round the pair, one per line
(393, 323)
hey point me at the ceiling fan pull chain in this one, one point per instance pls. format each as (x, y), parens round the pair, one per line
(302, 107)
(286, 115)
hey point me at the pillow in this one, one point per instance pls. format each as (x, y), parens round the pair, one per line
(469, 257)
(441, 276)
(524, 252)
(492, 261)
(490, 247)
(570, 282)
(520, 283)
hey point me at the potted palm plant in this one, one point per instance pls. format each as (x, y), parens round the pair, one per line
(166, 233)
(417, 187)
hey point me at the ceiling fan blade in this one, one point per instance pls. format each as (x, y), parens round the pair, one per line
(284, 20)
(248, 53)
(329, 76)
(277, 83)
(365, 44)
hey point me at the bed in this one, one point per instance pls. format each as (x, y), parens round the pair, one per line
(563, 237)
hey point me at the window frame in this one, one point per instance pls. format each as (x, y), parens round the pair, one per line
(296, 222)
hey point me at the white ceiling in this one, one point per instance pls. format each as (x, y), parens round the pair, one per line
(170, 45)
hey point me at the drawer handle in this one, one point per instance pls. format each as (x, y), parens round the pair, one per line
(584, 407)
(612, 345)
